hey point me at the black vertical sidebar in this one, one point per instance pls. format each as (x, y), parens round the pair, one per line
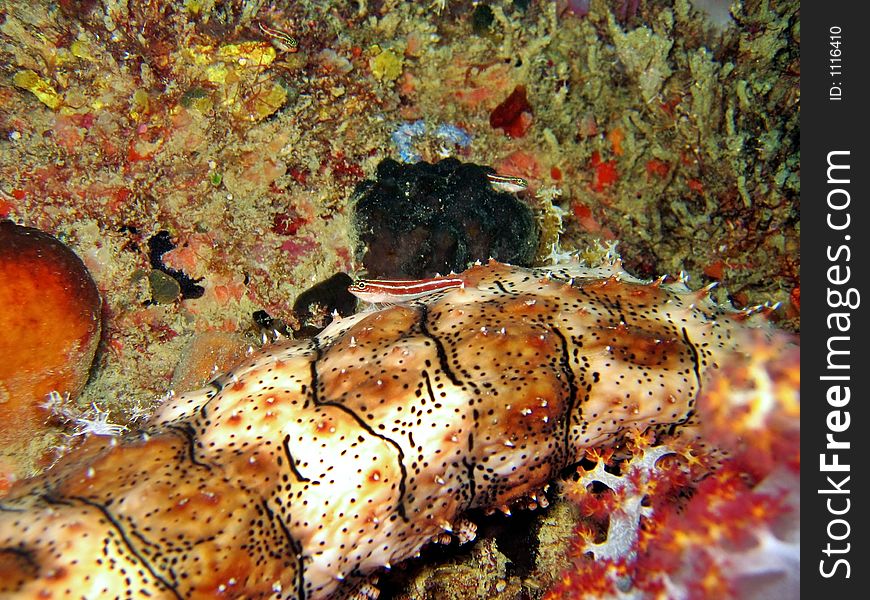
(835, 299)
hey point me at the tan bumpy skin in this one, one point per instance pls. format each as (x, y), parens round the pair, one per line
(316, 463)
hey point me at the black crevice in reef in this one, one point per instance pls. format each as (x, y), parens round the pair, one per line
(416, 220)
(515, 537)
(158, 245)
(314, 307)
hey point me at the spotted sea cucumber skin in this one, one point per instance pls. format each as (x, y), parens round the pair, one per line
(316, 463)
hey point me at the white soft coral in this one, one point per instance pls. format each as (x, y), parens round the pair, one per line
(622, 531)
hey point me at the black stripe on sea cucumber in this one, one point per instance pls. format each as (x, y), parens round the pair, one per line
(423, 314)
(117, 525)
(470, 466)
(23, 553)
(187, 433)
(290, 462)
(312, 369)
(52, 499)
(565, 359)
(218, 388)
(695, 361)
(294, 545)
(429, 389)
(315, 397)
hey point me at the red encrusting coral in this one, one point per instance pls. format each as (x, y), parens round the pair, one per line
(604, 172)
(299, 247)
(288, 222)
(795, 298)
(513, 115)
(657, 168)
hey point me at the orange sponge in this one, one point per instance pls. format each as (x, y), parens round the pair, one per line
(49, 329)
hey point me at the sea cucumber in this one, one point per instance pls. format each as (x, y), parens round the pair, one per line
(316, 463)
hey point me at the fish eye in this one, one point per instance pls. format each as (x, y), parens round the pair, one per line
(360, 285)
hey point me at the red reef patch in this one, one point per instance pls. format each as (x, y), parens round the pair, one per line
(605, 172)
(514, 115)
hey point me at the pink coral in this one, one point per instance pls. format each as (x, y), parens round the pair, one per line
(702, 524)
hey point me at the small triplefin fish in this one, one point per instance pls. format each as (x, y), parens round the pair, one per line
(507, 183)
(397, 291)
(315, 464)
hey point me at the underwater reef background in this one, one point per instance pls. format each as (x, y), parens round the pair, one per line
(202, 157)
